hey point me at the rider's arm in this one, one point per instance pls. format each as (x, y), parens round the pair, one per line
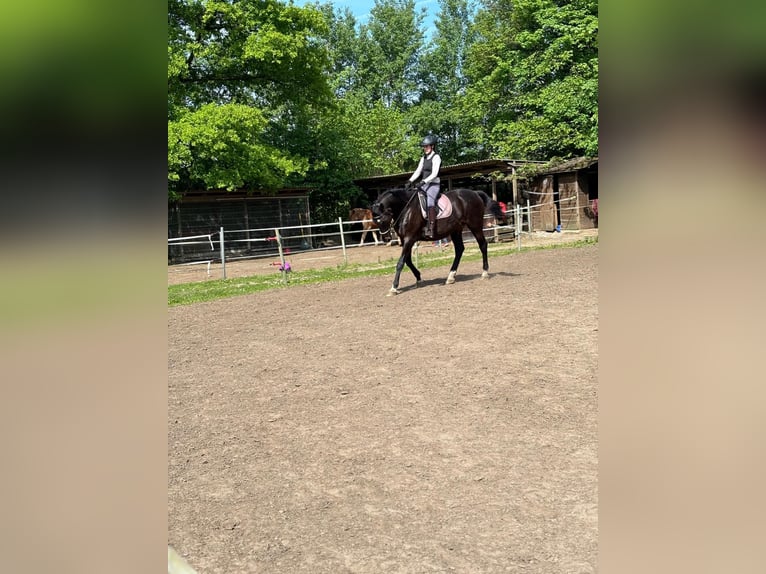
(417, 171)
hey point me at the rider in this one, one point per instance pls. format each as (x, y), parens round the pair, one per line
(429, 165)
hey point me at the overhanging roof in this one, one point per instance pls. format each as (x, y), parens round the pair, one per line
(575, 164)
(452, 171)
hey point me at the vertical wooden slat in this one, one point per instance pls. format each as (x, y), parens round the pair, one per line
(577, 200)
(515, 185)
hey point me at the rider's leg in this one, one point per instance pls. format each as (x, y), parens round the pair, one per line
(432, 190)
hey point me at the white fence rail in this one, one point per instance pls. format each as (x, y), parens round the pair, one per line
(270, 242)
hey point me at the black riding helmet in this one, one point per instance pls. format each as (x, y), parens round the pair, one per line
(428, 140)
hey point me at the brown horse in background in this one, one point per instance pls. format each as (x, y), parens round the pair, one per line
(368, 225)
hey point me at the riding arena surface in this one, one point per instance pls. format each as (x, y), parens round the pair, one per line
(328, 428)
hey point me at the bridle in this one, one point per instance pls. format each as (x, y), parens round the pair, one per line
(375, 208)
(395, 222)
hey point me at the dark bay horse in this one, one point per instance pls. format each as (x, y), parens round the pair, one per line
(399, 209)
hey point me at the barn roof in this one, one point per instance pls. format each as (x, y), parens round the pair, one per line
(455, 170)
(574, 164)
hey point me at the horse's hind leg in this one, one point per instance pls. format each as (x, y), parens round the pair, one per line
(457, 243)
(482, 241)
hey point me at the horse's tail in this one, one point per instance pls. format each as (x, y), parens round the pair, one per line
(493, 207)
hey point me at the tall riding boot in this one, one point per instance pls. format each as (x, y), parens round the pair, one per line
(431, 229)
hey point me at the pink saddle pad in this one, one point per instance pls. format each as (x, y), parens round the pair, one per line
(445, 208)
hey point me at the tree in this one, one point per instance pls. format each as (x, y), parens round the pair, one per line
(373, 74)
(343, 45)
(390, 44)
(264, 94)
(357, 136)
(243, 77)
(534, 79)
(443, 81)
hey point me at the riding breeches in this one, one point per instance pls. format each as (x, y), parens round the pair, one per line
(432, 190)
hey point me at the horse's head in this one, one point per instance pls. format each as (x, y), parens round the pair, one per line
(387, 207)
(382, 212)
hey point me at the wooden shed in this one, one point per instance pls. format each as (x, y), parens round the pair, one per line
(205, 212)
(564, 194)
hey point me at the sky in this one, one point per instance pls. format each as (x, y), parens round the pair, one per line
(361, 10)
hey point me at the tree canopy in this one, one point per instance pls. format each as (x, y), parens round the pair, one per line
(264, 94)
(533, 78)
(243, 77)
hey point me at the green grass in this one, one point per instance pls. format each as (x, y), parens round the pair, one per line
(188, 293)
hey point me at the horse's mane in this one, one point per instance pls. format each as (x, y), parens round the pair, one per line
(399, 193)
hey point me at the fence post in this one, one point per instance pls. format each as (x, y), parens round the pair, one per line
(223, 255)
(281, 255)
(343, 240)
(519, 225)
(529, 217)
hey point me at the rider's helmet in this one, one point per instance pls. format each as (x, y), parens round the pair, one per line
(428, 140)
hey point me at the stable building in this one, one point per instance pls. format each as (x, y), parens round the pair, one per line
(561, 196)
(496, 177)
(565, 195)
(203, 213)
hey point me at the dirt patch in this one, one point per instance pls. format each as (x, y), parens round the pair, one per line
(328, 428)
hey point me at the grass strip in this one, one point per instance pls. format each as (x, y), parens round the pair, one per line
(201, 291)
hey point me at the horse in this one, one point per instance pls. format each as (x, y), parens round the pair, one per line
(398, 209)
(365, 216)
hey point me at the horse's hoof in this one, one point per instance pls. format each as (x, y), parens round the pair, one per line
(392, 291)
(485, 275)
(450, 278)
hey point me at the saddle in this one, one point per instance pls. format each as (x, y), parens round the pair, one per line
(443, 206)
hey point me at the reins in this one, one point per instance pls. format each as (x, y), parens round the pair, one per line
(396, 221)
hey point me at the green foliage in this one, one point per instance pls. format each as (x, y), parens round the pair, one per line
(373, 73)
(391, 43)
(222, 147)
(444, 82)
(243, 79)
(263, 94)
(534, 71)
(379, 137)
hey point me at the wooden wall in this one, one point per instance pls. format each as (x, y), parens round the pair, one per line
(544, 214)
(568, 211)
(562, 199)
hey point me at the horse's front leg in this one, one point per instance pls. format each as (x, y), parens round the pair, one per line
(405, 257)
(457, 243)
(399, 266)
(411, 265)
